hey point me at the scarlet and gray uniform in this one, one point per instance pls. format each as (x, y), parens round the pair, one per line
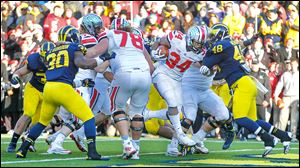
(167, 76)
(131, 72)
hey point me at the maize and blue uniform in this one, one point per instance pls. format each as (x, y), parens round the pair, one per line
(58, 90)
(33, 94)
(227, 55)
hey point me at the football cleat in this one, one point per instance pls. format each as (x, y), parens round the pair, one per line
(269, 145)
(136, 156)
(200, 148)
(22, 151)
(49, 140)
(173, 151)
(184, 140)
(55, 149)
(128, 150)
(31, 147)
(79, 142)
(230, 135)
(11, 147)
(286, 143)
(95, 156)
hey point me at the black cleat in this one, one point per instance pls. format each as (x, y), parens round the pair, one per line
(31, 147)
(230, 135)
(96, 156)
(268, 149)
(11, 147)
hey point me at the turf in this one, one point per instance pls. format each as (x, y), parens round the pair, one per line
(152, 154)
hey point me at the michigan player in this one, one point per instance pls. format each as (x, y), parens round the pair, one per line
(33, 93)
(64, 61)
(227, 55)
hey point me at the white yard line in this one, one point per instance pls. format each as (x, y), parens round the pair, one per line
(112, 156)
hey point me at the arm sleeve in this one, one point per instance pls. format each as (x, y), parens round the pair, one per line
(212, 59)
(279, 86)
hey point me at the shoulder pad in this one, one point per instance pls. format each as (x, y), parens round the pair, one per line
(88, 40)
(101, 36)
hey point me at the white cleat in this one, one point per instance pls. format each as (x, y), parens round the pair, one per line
(79, 142)
(136, 156)
(128, 150)
(55, 149)
(49, 140)
(184, 140)
(173, 151)
(200, 148)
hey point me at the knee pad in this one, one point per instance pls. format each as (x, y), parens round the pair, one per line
(56, 123)
(185, 125)
(77, 125)
(121, 118)
(137, 119)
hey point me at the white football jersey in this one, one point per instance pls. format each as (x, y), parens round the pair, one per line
(179, 59)
(128, 50)
(88, 41)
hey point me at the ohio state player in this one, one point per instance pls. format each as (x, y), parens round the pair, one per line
(167, 76)
(131, 68)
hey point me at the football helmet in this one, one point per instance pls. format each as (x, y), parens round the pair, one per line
(91, 22)
(137, 31)
(196, 37)
(119, 24)
(46, 47)
(219, 32)
(69, 34)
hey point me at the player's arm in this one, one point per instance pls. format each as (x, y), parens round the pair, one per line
(148, 58)
(15, 80)
(98, 49)
(212, 58)
(162, 41)
(85, 63)
(102, 67)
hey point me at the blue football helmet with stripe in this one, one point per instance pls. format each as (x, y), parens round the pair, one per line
(69, 34)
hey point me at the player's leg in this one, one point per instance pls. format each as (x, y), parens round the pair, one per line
(81, 110)
(31, 102)
(170, 90)
(244, 103)
(48, 110)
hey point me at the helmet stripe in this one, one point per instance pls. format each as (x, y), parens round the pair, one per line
(65, 34)
(202, 34)
(61, 32)
(118, 23)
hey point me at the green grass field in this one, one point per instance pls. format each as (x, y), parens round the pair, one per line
(152, 154)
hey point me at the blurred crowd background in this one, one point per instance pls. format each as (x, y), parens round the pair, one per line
(25, 25)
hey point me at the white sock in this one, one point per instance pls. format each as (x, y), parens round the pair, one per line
(80, 133)
(136, 144)
(174, 142)
(199, 136)
(161, 114)
(60, 139)
(175, 120)
(54, 135)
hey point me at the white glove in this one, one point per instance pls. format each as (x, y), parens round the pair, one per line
(157, 55)
(204, 70)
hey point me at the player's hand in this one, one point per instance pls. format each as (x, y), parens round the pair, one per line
(87, 82)
(15, 81)
(265, 104)
(107, 56)
(157, 55)
(204, 70)
(83, 49)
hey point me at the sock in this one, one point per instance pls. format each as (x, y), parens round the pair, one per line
(125, 138)
(265, 125)
(15, 138)
(91, 144)
(53, 137)
(136, 144)
(199, 136)
(175, 120)
(80, 132)
(174, 142)
(247, 123)
(90, 129)
(60, 139)
(268, 139)
(282, 135)
(161, 114)
(36, 131)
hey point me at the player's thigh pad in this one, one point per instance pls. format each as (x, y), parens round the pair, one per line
(244, 95)
(190, 102)
(213, 104)
(169, 89)
(32, 99)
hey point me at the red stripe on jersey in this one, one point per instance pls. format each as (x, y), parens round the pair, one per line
(171, 35)
(101, 36)
(118, 23)
(94, 96)
(202, 33)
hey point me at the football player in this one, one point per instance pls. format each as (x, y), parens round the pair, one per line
(131, 68)
(33, 93)
(64, 61)
(227, 55)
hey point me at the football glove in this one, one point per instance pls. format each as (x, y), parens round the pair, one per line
(83, 49)
(204, 70)
(157, 55)
(107, 56)
(87, 82)
(15, 81)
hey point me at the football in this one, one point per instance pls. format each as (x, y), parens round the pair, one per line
(164, 50)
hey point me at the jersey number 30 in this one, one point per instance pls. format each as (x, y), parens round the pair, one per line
(61, 59)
